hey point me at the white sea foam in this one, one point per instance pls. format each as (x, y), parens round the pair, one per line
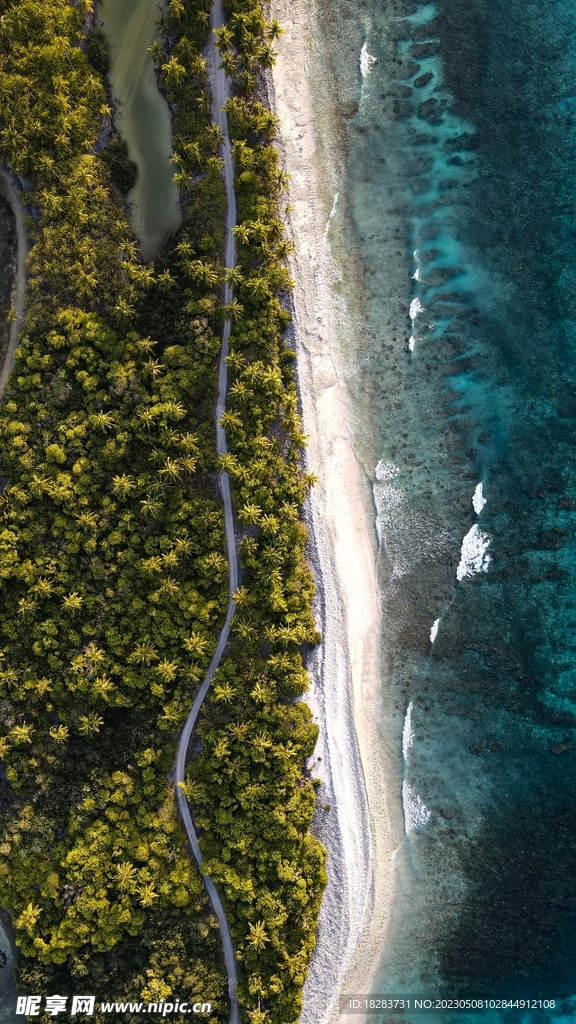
(407, 733)
(385, 495)
(411, 342)
(478, 500)
(416, 814)
(388, 500)
(416, 308)
(416, 276)
(386, 470)
(434, 630)
(474, 557)
(366, 61)
(409, 534)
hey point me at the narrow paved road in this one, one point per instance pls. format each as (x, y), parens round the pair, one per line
(220, 92)
(8, 190)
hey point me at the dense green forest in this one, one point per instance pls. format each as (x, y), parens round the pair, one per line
(112, 555)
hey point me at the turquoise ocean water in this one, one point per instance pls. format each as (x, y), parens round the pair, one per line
(457, 193)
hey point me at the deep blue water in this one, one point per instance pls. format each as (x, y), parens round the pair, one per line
(460, 169)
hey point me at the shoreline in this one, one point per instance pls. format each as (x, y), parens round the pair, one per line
(345, 691)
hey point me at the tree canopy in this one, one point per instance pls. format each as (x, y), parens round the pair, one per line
(113, 572)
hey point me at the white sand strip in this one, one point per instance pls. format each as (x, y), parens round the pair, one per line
(345, 670)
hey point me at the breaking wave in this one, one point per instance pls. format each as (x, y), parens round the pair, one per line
(407, 732)
(366, 61)
(474, 557)
(416, 308)
(416, 814)
(478, 500)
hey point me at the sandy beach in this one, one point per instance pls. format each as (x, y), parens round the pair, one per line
(345, 669)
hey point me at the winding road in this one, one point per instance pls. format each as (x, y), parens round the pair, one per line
(8, 190)
(220, 93)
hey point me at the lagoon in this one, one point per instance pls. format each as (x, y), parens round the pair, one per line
(143, 118)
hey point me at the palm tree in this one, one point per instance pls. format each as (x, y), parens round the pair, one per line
(221, 749)
(233, 310)
(151, 507)
(167, 670)
(260, 230)
(144, 652)
(182, 180)
(242, 151)
(21, 734)
(202, 272)
(165, 280)
(126, 873)
(250, 514)
(228, 64)
(203, 101)
(157, 52)
(259, 287)
(124, 309)
(215, 163)
(129, 249)
(171, 469)
(242, 234)
(176, 9)
(90, 724)
(27, 605)
(224, 38)
(266, 56)
(281, 180)
(193, 791)
(215, 134)
(155, 367)
(103, 687)
(103, 420)
(259, 1016)
(261, 694)
(59, 733)
(122, 485)
(198, 65)
(28, 918)
(148, 418)
(266, 123)
(147, 895)
(238, 730)
(284, 249)
(184, 248)
(173, 71)
(246, 82)
(73, 602)
(192, 151)
(258, 937)
(224, 692)
(195, 644)
(274, 29)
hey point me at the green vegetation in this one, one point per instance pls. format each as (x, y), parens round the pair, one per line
(98, 49)
(123, 171)
(112, 556)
